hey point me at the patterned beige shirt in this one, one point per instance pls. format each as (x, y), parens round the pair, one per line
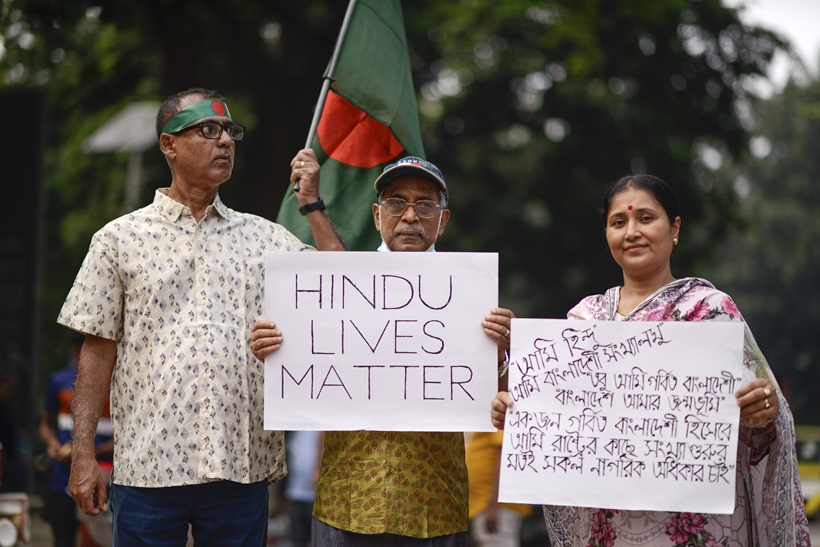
(179, 299)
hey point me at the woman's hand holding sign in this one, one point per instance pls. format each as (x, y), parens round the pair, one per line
(499, 406)
(758, 401)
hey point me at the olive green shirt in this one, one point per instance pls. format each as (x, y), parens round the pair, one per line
(404, 483)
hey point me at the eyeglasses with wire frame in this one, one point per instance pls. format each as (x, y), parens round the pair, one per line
(425, 208)
(213, 130)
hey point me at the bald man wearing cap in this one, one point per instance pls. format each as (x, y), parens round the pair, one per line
(396, 488)
(166, 297)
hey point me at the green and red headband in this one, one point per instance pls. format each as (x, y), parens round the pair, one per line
(194, 113)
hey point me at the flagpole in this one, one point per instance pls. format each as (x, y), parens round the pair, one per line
(328, 79)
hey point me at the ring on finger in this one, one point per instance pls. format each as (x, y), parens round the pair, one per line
(767, 391)
(766, 403)
(301, 163)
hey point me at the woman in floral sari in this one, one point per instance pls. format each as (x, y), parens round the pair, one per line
(641, 224)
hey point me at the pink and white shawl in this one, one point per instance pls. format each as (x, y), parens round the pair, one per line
(769, 509)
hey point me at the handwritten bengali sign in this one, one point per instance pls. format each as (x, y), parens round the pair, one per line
(623, 415)
(381, 341)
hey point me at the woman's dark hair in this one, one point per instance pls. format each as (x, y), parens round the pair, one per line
(652, 184)
(170, 107)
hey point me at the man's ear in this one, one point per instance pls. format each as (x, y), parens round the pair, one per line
(377, 217)
(445, 216)
(167, 144)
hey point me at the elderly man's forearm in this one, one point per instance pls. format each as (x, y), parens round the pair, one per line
(91, 391)
(324, 232)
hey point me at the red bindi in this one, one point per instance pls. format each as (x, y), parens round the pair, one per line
(630, 207)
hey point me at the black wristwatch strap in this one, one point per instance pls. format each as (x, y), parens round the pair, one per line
(315, 206)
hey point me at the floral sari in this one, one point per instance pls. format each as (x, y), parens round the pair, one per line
(769, 509)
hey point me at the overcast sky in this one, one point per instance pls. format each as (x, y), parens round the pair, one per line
(798, 20)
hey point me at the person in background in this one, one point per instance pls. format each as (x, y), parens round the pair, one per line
(492, 524)
(166, 296)
(304, 454)
(396, 488)
(56, 426)
(642, 227)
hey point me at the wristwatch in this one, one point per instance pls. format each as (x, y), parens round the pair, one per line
(504, 365)
(318, 205)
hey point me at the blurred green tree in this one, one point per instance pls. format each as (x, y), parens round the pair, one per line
(771, 263)
(266, 57)
(538, 106)
(530, 108)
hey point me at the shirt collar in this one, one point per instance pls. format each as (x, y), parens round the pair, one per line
(383, 248)
(172, 209)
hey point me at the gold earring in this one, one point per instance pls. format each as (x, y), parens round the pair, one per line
(675, 241)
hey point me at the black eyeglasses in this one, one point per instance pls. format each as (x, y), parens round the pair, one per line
(425, 208)
(213, 130)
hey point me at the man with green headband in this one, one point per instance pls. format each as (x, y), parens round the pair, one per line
(166, 297)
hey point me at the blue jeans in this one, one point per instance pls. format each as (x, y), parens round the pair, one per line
(221, 513)
(325, 535)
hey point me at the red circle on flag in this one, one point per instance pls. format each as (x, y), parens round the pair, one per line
(349, 135)
(218, 108)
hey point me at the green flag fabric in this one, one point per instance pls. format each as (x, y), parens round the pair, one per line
(370, 118)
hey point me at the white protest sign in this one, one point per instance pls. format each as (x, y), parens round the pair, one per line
(623, 415)
(381, 341)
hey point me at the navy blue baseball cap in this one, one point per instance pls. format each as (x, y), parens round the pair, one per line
(411, 165)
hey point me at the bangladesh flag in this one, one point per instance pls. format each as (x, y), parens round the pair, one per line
(370, 118)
